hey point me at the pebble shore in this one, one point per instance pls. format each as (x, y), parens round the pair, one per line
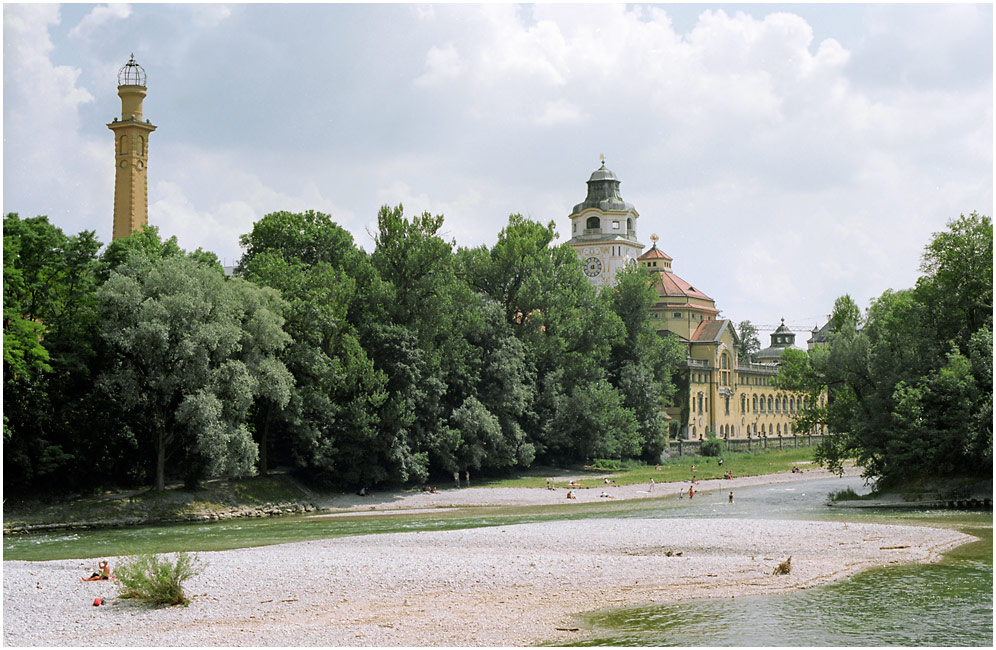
(504, 586)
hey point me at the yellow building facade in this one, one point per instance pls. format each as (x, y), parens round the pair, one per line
(717, 395)
(131, 153)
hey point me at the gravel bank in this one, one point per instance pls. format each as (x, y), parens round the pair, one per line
(591, 490)
(509, 585)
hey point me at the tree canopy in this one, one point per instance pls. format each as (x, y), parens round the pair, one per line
(908, 386)
(413, 360)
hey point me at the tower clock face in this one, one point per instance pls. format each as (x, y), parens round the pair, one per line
(592, 266)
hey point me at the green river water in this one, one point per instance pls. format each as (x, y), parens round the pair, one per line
(943, 604)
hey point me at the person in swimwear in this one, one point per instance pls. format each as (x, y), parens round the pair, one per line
(103, 574)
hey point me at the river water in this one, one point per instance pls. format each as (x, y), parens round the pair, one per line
(945, 604)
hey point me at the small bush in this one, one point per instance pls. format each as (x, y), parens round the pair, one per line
(784, 568)
(846, 494)
(154, 579)
(605, 463)
(711, 447)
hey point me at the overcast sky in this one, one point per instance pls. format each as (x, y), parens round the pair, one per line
(784, 154)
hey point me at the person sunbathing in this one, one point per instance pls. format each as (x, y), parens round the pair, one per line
(103, 574)
(570, 494)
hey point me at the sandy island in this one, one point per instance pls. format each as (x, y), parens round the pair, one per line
(507, 586)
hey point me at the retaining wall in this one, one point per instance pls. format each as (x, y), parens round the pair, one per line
(691, 447)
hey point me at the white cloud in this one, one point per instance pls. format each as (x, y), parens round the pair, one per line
(214, 197)
(441, 64)
(811, 169)
(43, 148)
(97, 18)
(206, 16)
(558, 112)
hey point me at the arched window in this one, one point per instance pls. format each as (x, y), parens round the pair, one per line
(791, 405)
(743, 403)
(779, 430)
(141, 146)
(762, 430)
(629, 225)
(755, 404)
(769, 402)
(124, 145)
(593, 223)
(727, 404)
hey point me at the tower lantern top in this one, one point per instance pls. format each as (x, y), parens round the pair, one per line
(131, 74)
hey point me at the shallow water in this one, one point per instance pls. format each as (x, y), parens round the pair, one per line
(945, 604)
(778, 501)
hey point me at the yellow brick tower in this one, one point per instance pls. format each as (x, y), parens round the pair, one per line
(131, 146)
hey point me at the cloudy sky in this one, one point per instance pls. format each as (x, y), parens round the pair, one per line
(785, 154)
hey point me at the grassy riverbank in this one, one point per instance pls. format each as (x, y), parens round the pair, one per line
(679, 469)
(279, 493)
(215, 499)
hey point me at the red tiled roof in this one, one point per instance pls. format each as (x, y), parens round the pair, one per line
(708, 330)
(688, 305)
(655, 254)
(669, 284)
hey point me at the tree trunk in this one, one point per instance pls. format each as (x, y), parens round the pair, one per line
(264, 443)
(160, 461)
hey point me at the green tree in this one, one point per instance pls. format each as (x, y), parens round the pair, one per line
(337, 425)
(190, 352)
(50, 352)
(750, 344)
(957, 285)
(567, 335)
(643, 364)
(24, 356)
(908, 389)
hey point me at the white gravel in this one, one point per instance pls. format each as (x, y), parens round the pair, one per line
(509, 585)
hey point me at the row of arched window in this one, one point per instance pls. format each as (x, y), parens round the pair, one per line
(771, 404)
(754, 429)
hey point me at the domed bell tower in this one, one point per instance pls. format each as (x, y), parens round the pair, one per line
(603, 229)
(131, 146)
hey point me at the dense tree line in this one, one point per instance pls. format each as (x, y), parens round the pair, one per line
(141, 363)
(908, 385)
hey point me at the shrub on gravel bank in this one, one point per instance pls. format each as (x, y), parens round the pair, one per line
(154, 579)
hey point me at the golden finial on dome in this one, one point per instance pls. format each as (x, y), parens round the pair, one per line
(654, 238)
